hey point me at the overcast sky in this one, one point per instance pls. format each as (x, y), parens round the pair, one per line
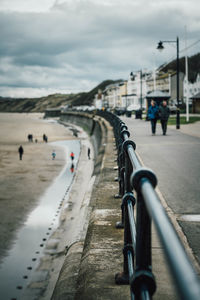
(49, 46)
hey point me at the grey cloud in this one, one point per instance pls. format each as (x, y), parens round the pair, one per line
(84, 42)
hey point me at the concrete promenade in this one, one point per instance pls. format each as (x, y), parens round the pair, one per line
(90, 265)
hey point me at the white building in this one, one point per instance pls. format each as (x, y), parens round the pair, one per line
(112, 95)
(159, 82)
(191, 88)
(166, 83)
(133, 93)
(136, 91)
(98, 100)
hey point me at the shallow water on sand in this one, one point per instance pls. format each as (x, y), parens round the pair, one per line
(23, 257)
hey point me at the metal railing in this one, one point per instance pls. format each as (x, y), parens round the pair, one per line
(137, 266)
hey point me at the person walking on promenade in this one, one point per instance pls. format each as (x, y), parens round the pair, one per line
(53, 154)
(88, 153)
(72, 156)
(21, 152)
(164, 113)
(152, 115)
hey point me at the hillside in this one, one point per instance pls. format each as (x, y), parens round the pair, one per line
(193, 66)
(87, 98)
(34, 104)
(57, 100)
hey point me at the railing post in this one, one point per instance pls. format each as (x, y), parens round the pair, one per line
(143, 236)
(126, 172)
(120, 171)
(123, 278)
(120, 224)
(120, 159)
(143, 280)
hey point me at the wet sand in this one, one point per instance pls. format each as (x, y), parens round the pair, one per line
(22, 182)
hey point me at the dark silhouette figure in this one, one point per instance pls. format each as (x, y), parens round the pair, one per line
(72, 168)
(164, 113)
(21, 152)
(30, 137)
(75, 133)
(45, 138)
(72, 156)
(53, 155)
(88, 153)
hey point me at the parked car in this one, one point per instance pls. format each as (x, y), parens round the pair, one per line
(119, 111)
(173, 109)
(133, 107)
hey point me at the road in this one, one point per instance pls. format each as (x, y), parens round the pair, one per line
(175, 159)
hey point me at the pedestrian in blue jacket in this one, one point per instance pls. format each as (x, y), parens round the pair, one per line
(153, 115)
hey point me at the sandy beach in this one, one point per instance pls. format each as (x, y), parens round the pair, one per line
(22, 182)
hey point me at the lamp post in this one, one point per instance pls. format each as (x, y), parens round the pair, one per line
(161, 47)
(141, 90)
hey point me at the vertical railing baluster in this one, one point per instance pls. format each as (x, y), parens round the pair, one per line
(127, 232)
(143, 279)
(143, 233)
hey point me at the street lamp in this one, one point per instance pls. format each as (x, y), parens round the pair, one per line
(160, 47)
(141, 91)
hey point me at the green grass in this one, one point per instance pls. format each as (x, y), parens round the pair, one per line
(172, 120)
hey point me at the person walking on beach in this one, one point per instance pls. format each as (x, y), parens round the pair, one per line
(45, 138)
(53, 154)
(72, 156)
(164, 113)
(21, 152)
(153, 116)
(30, 137)
(72, 168)
(88, 153)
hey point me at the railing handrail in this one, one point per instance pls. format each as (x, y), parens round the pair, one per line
(179, 263)
(133, 176)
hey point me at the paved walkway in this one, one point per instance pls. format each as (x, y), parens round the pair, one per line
(190, 129)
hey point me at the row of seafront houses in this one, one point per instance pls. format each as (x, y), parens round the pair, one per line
(141, 87)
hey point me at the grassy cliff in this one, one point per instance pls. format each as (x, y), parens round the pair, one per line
(51, 101)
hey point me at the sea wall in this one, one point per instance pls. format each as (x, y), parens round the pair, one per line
(96, 129)
(91, 263)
